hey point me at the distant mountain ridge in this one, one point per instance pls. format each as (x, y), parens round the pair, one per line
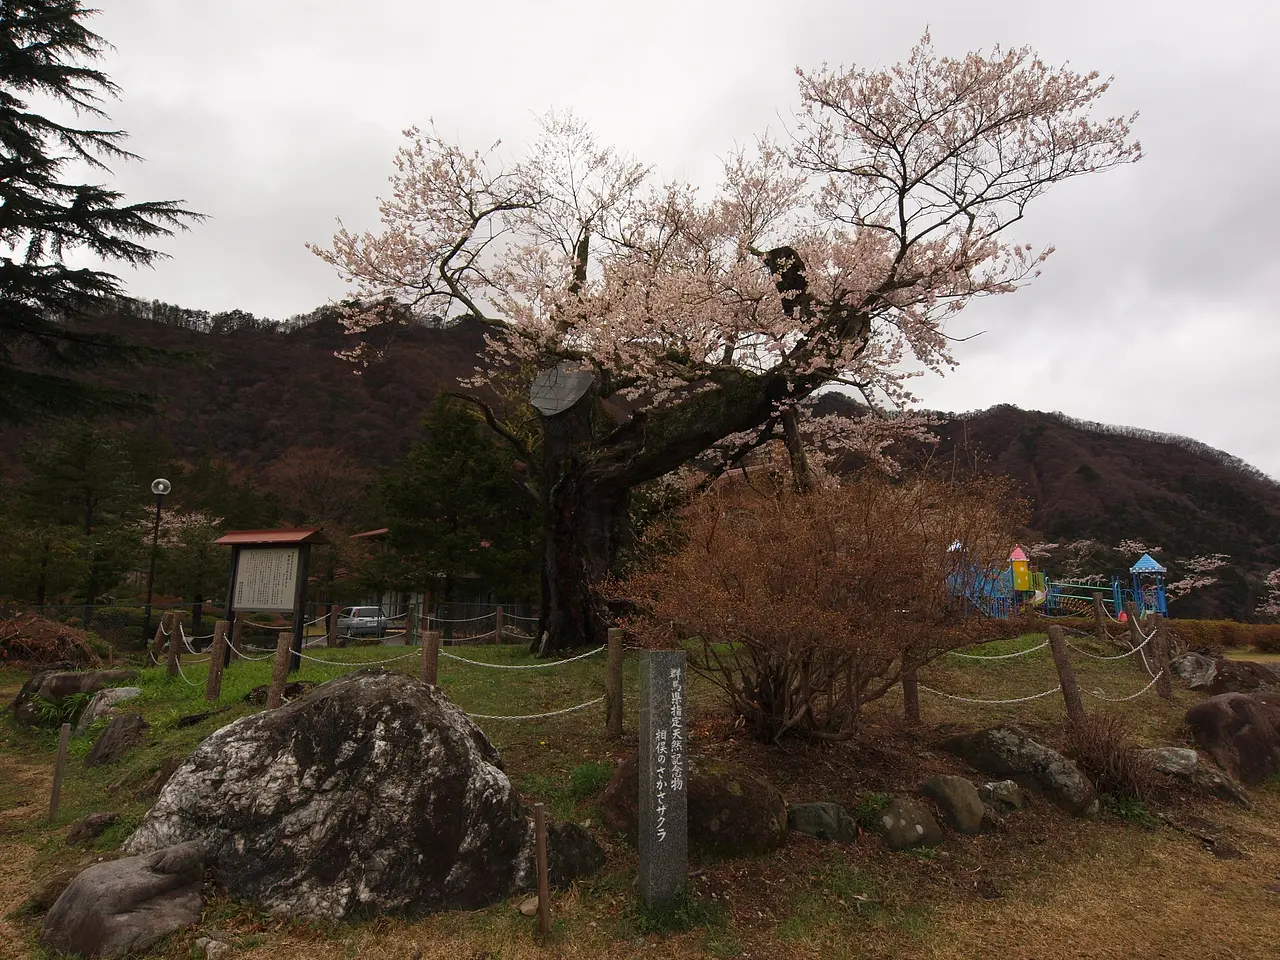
(264, 388)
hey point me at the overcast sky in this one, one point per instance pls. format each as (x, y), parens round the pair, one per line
(277, 116)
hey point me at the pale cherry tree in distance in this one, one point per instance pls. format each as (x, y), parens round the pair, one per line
(826, 258)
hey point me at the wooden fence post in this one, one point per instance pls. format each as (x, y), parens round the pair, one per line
(544, 892)
(427, 670)
(1160, 654)
(157, 645)
(1099, 619)
(1135, 637)
(59, 767)
(497, 625)
(332, 640)
(280, 669)
(910, 697)
(175, 642)
(613, 685)
(237, 637)
(217, 657)
(1066, 675)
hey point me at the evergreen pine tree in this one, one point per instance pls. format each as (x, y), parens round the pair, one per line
(45, 56)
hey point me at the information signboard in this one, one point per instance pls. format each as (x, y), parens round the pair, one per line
(266, 580)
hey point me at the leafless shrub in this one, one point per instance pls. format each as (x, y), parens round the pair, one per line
(804, 608)
(1103, 747)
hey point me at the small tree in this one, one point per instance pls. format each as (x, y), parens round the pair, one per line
(455, 509)
(44, 46)
(804, 608)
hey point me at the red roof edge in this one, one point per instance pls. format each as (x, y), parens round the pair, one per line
(253, 537)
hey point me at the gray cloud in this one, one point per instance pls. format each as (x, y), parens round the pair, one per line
(276, 118)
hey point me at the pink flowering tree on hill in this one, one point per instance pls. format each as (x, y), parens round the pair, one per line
(707, 322)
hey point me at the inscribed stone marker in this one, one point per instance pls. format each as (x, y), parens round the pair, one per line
(664, 824)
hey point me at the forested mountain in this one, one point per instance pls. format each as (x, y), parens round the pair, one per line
(260, 389)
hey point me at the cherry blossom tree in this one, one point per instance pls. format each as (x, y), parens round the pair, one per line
(1270, 605)
(707, 323)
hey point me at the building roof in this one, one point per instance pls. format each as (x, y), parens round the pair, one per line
(1147, 565)
(243, 538)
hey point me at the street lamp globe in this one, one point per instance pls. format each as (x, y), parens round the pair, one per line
(160, 486)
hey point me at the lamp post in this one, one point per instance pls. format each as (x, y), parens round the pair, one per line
(159, 487)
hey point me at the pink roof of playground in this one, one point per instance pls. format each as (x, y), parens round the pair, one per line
(1017, 554)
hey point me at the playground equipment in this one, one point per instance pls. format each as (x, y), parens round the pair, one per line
(1019, 588)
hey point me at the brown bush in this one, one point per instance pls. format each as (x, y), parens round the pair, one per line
(1102, 746)
(1214, 636)
(803, 609)
(30, 639)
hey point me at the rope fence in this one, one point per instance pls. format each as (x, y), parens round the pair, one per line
(212, 681)
(1060, 645)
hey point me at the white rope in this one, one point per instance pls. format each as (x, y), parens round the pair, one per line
(1101, 696)
(998, 656)
(952, 696)
(183, 675)
(512, 616)
(1108, 613)
(485, 616)
(1094, 656)
(245, 655)
(539, 716)
(521, 666)
(163, 630)
(359, 663)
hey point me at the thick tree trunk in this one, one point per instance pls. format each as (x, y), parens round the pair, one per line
(583, 522)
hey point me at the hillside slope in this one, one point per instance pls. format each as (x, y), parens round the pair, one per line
(264, 389)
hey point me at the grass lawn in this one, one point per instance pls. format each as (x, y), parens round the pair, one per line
(1046, 885)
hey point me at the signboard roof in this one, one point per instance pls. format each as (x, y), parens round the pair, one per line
(246, 538)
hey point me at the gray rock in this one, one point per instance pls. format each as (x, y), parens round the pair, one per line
(1197, 669)
(124, 906)
(1009, 752)
(56, 685)
(1002, 797)
(907, 823)
(825, 821)
(370, 793)
(958, 800)
(529, 906)
(212, 949)
(103, 705)
(89, 827)
(1184, 765)
(123, 732)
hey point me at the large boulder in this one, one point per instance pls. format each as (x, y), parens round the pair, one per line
(1009, 752)
(124, 906)
(1241, 732)
(121, 734)
(103, 705)
(730, 810)
(1184, 767)
(1217, 674)
(370, 793)
(907, 823)
(55, 685)
(823, 821)
(958, 800)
